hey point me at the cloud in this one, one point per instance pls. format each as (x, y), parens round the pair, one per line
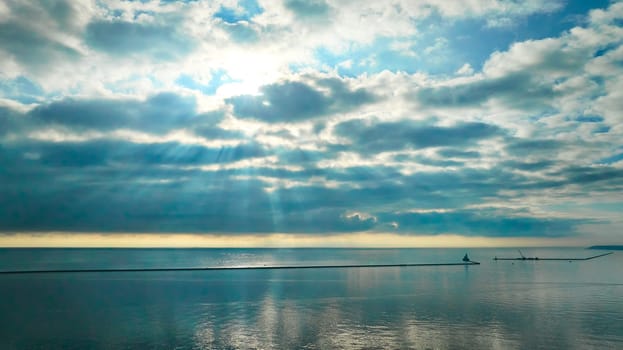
(241, 32)
(613, 159)
(482, 223)
(389, 136)
(149, 187)
(523, 148)
(289, 101)
(30, 48)
(457, 8)
(518, 91)
(606, 178)
(128, 154)
(244, 11)
(457, 153)
(10, 121)
(422, 160)
(60, 14)
(308, 9)
(21, 89)
(158, 113)
(158, 116)
(121, 38)
(118, 205)
(130, 190)
(294, 101)
(550, 57)
(529, 166)
(343, 98)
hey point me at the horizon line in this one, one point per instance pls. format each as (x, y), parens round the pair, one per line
(278, 240)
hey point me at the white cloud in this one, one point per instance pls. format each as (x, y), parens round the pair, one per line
(614, 11)
(465, 69)
(461, 8)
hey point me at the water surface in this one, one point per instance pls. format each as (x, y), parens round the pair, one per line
(496, 305)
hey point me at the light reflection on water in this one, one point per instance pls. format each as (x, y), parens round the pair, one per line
(497, 305)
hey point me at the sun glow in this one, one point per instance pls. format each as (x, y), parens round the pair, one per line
(246, 87)
(248, 74)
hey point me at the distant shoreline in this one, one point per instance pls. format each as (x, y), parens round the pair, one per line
(606, 247)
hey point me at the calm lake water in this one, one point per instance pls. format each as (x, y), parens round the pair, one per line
(496, 305)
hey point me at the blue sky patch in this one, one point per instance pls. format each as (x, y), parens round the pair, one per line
(21, 89)
(219, 77)
(248, 10)
(612, 159)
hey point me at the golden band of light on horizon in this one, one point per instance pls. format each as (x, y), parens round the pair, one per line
(355, 240)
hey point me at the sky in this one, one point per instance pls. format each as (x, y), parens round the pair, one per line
(311, 123)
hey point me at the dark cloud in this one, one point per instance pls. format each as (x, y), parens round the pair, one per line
(119, 38)
(371, 188)
(343, 97)
(117, 186)
(128, 154)
(529, 166)
(159, 113)
(384, 177)
(391, 136)
(296, 101)
(60, 13)
(308, 8)
(519, 90)
(147, 198)
(120, 186)
(241, 32)
(10, 121)
(31, 48)
(27, 43)
(483, 223)
(231, 206)
(457, 153)
(112, 185)
(203, 202)
(522, 147)
(605, 177)
(290, 101)
(428, 161)
(305, 158)
(213, 132)
(137, 206)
